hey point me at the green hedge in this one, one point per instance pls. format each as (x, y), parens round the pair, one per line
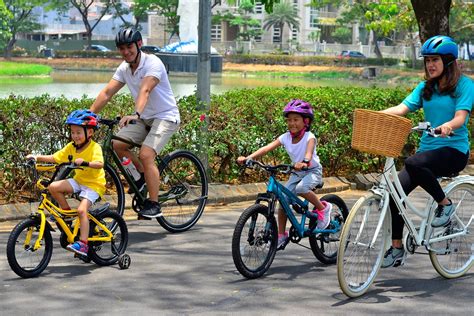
(85, 54)
(308, 60)
(240, 122)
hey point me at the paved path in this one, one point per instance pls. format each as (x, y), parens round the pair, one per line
(193, 274)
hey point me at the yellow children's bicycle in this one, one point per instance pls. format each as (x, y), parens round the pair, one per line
(30, 245)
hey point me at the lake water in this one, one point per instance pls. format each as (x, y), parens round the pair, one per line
(75, 84)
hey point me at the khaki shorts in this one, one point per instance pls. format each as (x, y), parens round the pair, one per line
(154, 133)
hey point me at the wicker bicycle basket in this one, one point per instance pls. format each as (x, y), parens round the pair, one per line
(379, 133)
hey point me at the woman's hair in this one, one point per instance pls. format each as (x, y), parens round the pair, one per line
(451, 72)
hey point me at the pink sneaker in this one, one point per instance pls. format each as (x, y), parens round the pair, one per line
(282, 241)
(78, 247)
(324, 215)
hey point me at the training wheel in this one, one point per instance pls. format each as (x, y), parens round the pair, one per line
(124, 261)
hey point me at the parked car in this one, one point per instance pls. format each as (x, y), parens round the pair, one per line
(99, 48)
(150, 49)
(349, 54)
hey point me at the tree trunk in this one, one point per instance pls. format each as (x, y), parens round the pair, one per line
(281, 36)
(432, 17)
(377, 50)
(468, 51)
(8, 49)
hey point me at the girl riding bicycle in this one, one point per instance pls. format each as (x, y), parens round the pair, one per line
(446, 98)
(89, 182)
(300, 144)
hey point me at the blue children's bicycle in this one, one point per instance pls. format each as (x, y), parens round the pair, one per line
(255, 238)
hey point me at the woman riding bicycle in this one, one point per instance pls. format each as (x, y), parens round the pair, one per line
(300, 144)
(446, 97)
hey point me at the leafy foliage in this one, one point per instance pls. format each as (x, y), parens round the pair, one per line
(284, 13)
(249, 27)
(18, 18)
(240, 121)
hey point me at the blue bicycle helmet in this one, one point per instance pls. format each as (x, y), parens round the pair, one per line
(84, 118)
(440, 45)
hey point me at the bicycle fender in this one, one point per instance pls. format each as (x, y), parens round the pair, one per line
(459, 179)
(47, 224)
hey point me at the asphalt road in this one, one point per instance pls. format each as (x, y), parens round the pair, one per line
(193, 274)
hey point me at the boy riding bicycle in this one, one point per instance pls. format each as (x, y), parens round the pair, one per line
(300, 144)
(89, 182)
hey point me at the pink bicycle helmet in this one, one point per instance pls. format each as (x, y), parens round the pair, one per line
(299, 106)
(303, 108)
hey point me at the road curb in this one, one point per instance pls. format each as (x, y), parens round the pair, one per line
(218, 194)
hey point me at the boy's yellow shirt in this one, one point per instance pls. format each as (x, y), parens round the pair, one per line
(90, 177)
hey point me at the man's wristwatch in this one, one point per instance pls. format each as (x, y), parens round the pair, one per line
(306, 161)
(137, 114)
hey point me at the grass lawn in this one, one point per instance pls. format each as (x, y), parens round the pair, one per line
(8, 68)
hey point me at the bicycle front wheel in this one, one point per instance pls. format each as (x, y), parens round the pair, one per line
(360, 249)
(23, 259)
(453, 257)
(254, 241)
(325, 245)
(183, 191)
(107, 253)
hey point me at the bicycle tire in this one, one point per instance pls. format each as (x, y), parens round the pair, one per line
(114, 191)
(182, 176)
(21, 256)
(325, 245)
(254, 240)
(107, 253)
(357, 263)
(453, 257)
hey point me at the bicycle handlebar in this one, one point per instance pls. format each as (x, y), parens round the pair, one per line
(283, 168)
(112, 122)
(428, 129)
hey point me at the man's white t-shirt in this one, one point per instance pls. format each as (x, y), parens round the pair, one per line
(297, 151)
(161, 103)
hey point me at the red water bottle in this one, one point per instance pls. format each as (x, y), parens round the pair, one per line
(130, 168)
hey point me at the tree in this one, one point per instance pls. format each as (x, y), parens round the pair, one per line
(432, 17)
(342, 35)
(19, 18)
(461, 21)
(249, 27)
(284, 13)
(5, 33)
(139, 9)
(84, 6)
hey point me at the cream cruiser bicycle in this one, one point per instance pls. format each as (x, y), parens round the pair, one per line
(366, 233)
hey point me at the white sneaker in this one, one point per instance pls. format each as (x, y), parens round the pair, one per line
(324, 216)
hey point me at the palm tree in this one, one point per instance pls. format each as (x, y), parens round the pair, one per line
(283, 13)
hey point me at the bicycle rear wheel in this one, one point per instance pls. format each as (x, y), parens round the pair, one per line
(114, 192)
(254, 241)
(360, 251)
(453, 257)
(325, 245)
(107, 253)
(183, 191)
(22, 258)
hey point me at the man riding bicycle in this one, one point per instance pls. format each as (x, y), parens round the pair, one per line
(156, 114)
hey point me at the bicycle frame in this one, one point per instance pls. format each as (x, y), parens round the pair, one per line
(278, 192)
(390, 186)
(110, 154)
(46, 204)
